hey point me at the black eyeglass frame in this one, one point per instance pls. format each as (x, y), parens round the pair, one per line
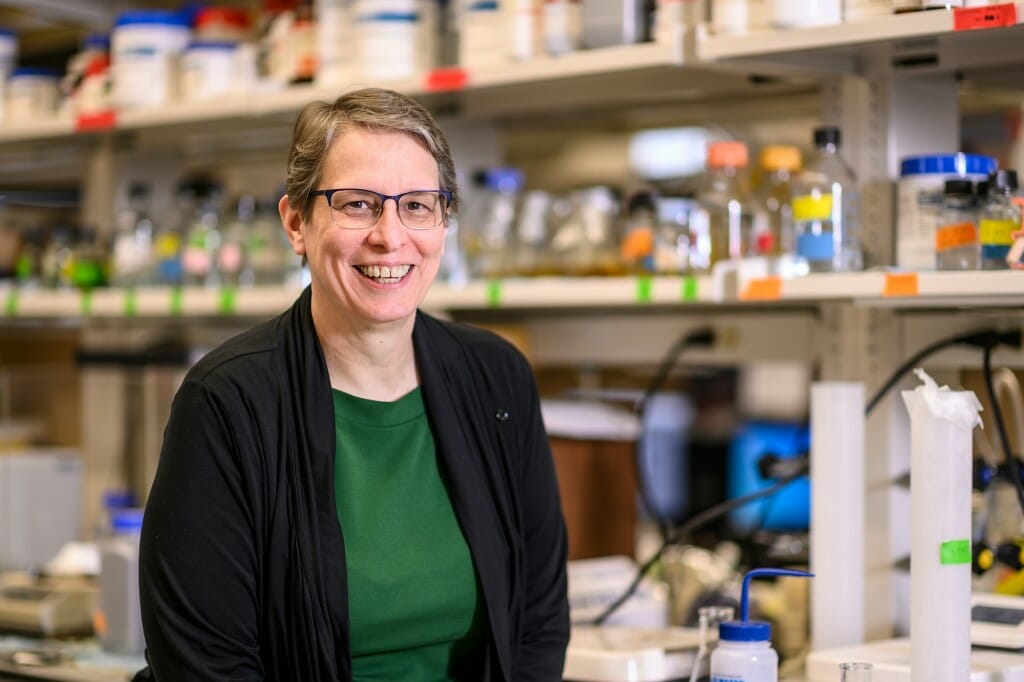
(328, 193)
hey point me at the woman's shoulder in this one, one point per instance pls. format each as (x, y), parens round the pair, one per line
(460, 338)
(243, 357)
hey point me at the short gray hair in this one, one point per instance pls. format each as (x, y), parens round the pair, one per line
(320, 123)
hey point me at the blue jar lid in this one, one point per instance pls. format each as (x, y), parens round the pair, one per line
(948, 164)
(220, 45)
(504, 179)
(127, 520)
(96, 41)
(7, 33)
(35, 72)
(118, 499)
(744, 631)
(152, 17)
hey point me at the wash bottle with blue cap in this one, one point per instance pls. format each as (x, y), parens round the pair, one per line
(744, 652)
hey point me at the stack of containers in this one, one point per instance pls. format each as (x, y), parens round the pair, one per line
(919, 199)
(334, 42)
(483, 35)
(32, 94)
(145, 46)
(214, 63)
(396, 38)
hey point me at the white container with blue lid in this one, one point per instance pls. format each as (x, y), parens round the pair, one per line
(32, 94)
(744, 652)
(919, 196)
(144, 48)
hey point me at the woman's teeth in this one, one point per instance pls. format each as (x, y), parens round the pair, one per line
(383, 273)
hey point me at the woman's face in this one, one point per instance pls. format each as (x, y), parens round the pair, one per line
(345, 264)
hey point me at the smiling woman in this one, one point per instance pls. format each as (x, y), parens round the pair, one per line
(356, 490)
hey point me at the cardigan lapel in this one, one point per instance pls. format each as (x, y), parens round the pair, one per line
(450, 402)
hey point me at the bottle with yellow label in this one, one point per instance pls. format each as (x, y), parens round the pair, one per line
(825, 209)
(956, 236)
(1000, 218)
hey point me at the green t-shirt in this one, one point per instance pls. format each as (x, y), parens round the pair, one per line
(415, 607)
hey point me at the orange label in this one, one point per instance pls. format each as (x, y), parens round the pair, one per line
(763, 289)
(953, 236)
(901, 284)
(992, 16)
(87, 123)
(637, 244)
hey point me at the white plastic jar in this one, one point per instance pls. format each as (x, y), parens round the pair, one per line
(796, 13)
(919, 198)
(145, 46)
(32, 94)
(8, 53)
(738, 16)
(207, 70)
(744, 653)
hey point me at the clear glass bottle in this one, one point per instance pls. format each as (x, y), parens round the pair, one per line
(721, 229)
(773, 217)
(825, 209)
(202, 240)
(131, 255)
(956, 236)
(641, 221)
(231, 264)
(855, 672)
(490, 225)
(167, 240)
(1000, 218)
(268, 254)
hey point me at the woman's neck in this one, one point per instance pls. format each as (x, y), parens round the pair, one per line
(369, 361)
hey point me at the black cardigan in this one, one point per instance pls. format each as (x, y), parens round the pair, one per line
(242, 567)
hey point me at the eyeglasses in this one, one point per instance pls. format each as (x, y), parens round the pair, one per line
(358, 209)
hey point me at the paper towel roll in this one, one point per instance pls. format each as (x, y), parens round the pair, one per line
(941, 422)
(837, 514)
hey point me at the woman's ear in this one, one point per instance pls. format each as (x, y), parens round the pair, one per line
(291, 220)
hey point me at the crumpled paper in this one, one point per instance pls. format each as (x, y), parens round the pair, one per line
(959, 407)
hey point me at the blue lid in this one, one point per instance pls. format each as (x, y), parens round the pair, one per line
(399, 17)
(118, 499)
(744, 631)
(504, 179)
(35, 71)
(948, 164)
(212, 45)
(96, 41)
(8, 33)
(127, 520)
(151, 17)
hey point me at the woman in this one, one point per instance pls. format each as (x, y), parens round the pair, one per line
(356, 490)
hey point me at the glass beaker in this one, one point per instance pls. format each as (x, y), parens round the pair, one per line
(708, 618)
(855, 672)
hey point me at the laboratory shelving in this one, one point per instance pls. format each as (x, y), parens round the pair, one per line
(588, 295)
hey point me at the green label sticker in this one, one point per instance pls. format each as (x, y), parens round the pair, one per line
(130, 304)
(955, 552)
(86, 302)
(177, 303)
(689, 288)
(11, 304)
(228, 301)
(494, 293)
(644, 285)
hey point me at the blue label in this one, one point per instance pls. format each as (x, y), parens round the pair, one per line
(994, 251)
(815, 247)
(725, 678)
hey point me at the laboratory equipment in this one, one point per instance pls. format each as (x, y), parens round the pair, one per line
(855, 672)
(1000, 218)
(708, 620)
(891, 663)
(744, 652)
(625, 654)
(997, 621)
(119, 618)
(46, 607)
(40, 505)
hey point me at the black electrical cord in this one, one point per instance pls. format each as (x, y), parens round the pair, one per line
(986, 338)
(704, 336)
(1011, 461)
(687, 527)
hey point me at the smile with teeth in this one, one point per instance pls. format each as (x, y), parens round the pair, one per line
(384, 274)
